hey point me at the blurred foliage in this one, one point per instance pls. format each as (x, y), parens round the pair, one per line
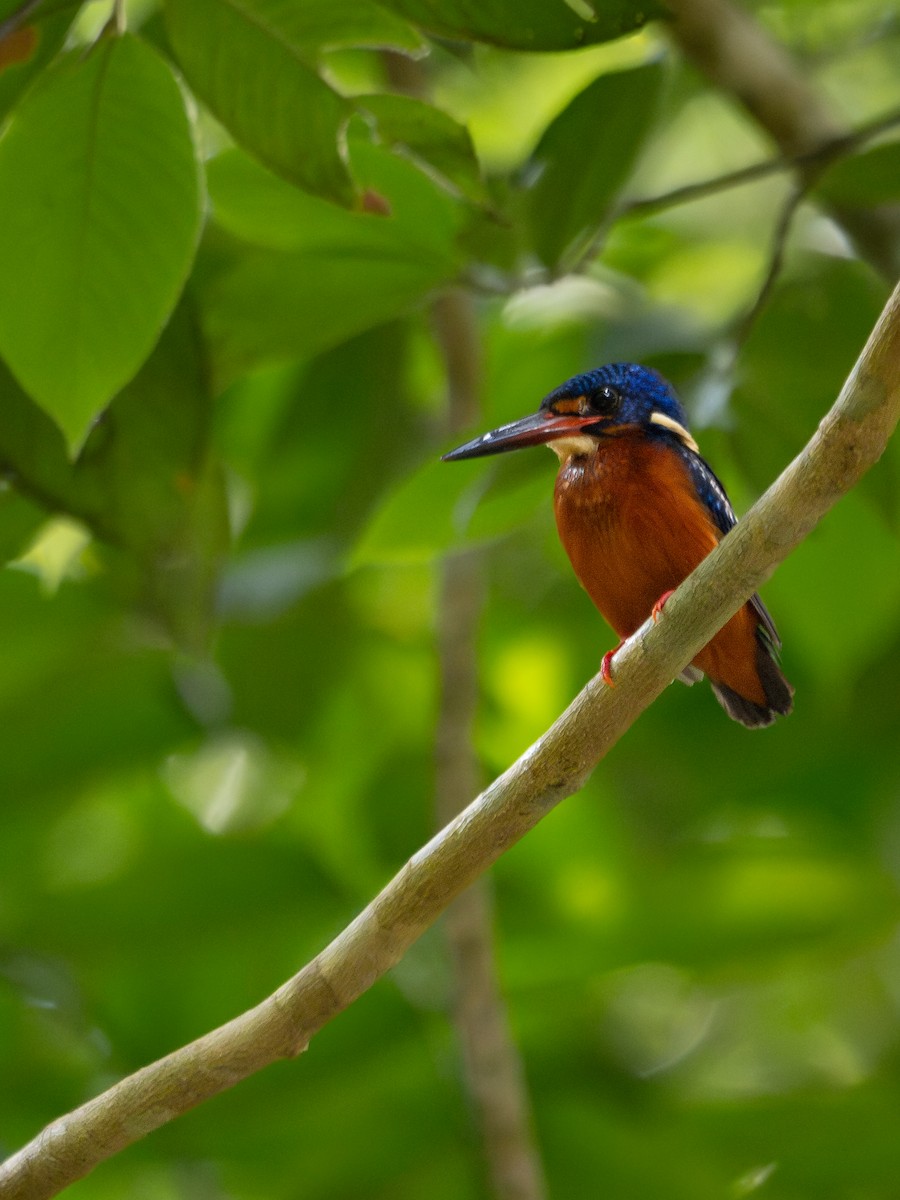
(218, 688)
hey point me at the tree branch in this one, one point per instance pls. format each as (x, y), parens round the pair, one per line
(848, 441)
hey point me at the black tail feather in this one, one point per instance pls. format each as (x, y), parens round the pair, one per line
(778, 692)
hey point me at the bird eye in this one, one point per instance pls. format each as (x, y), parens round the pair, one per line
(606, 398)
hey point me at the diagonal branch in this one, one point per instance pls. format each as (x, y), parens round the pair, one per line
(848, 441)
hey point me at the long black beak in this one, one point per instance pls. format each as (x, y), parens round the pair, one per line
(535, 430)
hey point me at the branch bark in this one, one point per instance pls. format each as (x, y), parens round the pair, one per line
(849, 440)
(736, 54)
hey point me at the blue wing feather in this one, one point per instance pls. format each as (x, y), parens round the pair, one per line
(712, 492)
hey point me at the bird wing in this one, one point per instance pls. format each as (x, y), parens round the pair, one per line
(712, 492)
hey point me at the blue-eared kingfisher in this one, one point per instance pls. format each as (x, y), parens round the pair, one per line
(637, 508)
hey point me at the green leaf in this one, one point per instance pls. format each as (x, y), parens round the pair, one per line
(424, 516)
(99, 217)
(586, 155)
(33, 451)
(426, 219)
(27, 50)
(344, 272)
(255, 205)
(439, 509)
(265, 307)
(252, 203)
(249, 62)
(20, 520)
(429, 135)
(156, 488)
(872, 177)
(528, 24)
(329, 24)
(144, 482)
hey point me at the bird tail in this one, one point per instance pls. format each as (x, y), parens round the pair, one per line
(776, 689)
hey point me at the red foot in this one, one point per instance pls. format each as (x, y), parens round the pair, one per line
(660, 605)
(606, 665)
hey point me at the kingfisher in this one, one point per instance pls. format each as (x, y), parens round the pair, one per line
(637, 508)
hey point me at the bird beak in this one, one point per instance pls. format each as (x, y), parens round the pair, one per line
(535, 430)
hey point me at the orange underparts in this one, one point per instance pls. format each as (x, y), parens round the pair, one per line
(634, 528)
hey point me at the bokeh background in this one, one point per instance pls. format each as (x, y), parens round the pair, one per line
(219, 685)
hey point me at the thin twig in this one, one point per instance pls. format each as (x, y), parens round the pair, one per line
(810, 164)
(849, 440)
(731, 48)
(822, 156)
(773, 270)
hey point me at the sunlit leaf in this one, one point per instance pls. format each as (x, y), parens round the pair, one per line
(99, 216)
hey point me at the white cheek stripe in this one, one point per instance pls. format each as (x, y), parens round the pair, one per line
(658, 418)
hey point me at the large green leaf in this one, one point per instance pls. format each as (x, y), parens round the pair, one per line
(342, 273)
(528, 24)
(99, 217)
(249, 61)
(253, 204)
(586, 155)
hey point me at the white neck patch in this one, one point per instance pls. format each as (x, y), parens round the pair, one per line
(572, 447)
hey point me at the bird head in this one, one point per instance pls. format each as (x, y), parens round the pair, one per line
(576, 416)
